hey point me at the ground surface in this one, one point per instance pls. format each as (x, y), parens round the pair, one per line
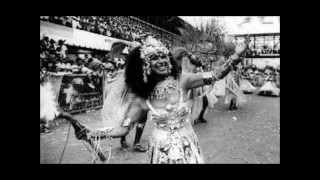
(254, 137)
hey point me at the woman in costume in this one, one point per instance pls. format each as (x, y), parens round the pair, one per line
(153, 75)
(154, 80)
(233, 99)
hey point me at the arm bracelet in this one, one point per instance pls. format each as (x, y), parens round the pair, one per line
(209, 78)
(126, 122)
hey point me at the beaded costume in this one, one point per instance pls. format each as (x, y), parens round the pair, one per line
(172, 140)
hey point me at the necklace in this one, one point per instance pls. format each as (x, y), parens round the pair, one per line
(163, 88)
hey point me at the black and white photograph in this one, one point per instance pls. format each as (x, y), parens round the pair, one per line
(159, 89)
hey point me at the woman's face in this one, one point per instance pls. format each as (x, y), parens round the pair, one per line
(160, 64)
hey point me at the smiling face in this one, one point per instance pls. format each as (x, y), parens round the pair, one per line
(160, 64)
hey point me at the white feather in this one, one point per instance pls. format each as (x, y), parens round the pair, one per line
(48, 106)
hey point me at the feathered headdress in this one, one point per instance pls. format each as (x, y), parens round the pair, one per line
(152, 46)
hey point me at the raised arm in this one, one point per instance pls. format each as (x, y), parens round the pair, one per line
(206, 78)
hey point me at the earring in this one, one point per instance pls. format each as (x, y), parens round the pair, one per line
(146, 71)
(145, 78)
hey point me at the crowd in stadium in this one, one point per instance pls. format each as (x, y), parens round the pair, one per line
(121, 27)
(54, 58)
(263, 51)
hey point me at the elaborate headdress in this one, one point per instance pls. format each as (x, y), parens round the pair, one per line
(151, 46)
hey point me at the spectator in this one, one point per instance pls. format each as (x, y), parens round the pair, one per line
(121, 27)
(62, 49)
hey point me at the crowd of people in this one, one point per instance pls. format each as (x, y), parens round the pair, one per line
(121, 27)
(82, 75)
(257, 76)
(157, 82)
(54, 58)
(263, 51)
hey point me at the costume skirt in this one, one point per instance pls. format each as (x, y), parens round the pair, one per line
(179, 146)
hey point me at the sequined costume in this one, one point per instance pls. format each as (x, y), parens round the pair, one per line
(173, 139)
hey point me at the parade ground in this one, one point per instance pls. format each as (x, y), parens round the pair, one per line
(249, 135)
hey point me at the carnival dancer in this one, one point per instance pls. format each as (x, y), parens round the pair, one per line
(49, 108)
(200, 99)
(231, 97)
(153, 76)
(269, 87)
(118, 101)
(245, 84)
(208, 100)
(117, 104)
(48, 105)
(189, 65)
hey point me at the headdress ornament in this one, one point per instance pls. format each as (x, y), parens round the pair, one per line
(151, 46)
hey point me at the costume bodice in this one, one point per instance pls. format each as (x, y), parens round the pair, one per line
(173, 115)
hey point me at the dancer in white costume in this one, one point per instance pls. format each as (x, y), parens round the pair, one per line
(235, 99)
(246, 86)
(118, 101)
(48, 105)
(269, 87)
(189, 65)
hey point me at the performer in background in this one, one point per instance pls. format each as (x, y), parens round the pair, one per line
(245, 84)
(48, 105)
(118, 101)
(205, 101)
(269, 87)
(231, 97)
(189, 65)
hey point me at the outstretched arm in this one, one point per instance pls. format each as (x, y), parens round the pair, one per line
(133, 114)
(206, 78)
(201, 79)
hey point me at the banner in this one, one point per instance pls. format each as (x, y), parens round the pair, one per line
(79, 92)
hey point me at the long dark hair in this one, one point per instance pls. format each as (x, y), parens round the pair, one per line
(134, 74)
